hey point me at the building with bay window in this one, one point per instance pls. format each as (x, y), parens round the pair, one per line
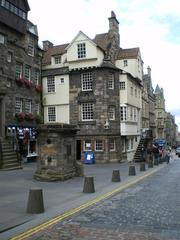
(81, 87)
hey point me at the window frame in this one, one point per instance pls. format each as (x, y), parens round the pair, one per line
(57, 59)
(53, 116)
(81, 50)
(122, 85)
(19, 70)
(111, 81)
(112, 113)
(28, 105)
(86, 81)
(99, 146)
(27, 72)
(112, 145)
(30, 48)
(87, 112)
(18, 105)
(51, 85)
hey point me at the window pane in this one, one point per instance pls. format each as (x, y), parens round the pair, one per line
(81, 50)
(99, 145)
(51, 114)
(18, 70)
(50, 84)
(18, 106)
(27, 72)
(111, 81)
(86, 80)
(87, 111)
(28, 105)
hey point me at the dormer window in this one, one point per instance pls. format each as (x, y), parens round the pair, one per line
(57, 59)
(81, 50)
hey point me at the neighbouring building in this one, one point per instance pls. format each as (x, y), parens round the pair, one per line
(148, 122)
(130, 87)
(20, 75)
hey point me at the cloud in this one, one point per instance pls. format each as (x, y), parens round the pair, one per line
(154, 26)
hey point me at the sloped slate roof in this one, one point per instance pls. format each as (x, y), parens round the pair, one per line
(101, 40)
(128, 53)
(55, 50)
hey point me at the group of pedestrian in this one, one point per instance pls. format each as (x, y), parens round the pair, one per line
(159, 154)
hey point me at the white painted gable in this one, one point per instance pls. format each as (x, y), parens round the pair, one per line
(94, 55)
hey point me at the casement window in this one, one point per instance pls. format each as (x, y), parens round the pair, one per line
(87, 145)
(111, 113)
(112, 145)
(27, 74)
(131, 113)
(37, 76)
(28, 105)
(86, 81)
(87, 112)
(18, 105)
(57, 59)
(36, 109)
(2, 38)
(51, 114)
(122, 85)
(132, 91)
(135, 92)
(135, 114)
(6, 4)
(30, 49)
(125, 63)
(123, 113)
(9, 57)
(61, 80)
(50, 84)
(19, 69)
(81, 50)
(98, 145)
(111, 81)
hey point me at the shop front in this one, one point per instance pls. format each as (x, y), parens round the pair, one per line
(24, 141)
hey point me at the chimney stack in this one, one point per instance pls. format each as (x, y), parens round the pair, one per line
(47, 44)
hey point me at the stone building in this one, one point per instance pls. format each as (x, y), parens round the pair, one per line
(81, 87)
(148, 123)
(160, 112)
(20, 70)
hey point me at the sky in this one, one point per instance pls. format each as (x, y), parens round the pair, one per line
(153, 26)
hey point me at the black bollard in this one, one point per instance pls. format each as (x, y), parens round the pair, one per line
(35, 201)
(132, 170)
(150, 164)
(88, 185)
(142, 167)
(116, 176)
(156, 162)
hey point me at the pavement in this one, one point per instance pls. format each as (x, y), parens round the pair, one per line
(60, 198)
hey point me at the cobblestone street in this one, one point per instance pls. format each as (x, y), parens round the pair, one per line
(149, 210)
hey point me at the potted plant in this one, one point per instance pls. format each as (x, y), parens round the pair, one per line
(20, 81)
(29, 116)
(28, 83)
(39, 118)
(20, 116)
(38, 88)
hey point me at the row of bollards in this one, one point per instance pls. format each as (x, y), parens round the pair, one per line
(35, 200)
